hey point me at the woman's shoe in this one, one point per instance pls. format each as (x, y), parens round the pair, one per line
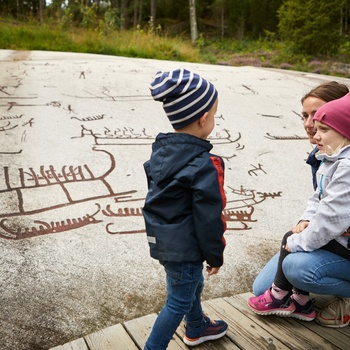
(335, 314)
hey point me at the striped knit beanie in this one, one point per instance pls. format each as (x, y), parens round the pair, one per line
(336, 114)
(186, 96)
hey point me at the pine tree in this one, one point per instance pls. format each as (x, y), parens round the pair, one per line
(312, 26)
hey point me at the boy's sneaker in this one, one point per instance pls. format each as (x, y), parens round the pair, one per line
(304, 312)
(266, 304)
(336, 314)
(209, 330)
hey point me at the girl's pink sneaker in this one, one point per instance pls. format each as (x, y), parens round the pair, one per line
(266, 304)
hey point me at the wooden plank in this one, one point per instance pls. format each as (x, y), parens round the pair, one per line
(111, 338)
(140, 328)
(246, 331)
(177, 341)
(333, 335)
(294, 334)
(243, 332)
(78, 344)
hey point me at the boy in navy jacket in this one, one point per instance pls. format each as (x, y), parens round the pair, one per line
(184, 204)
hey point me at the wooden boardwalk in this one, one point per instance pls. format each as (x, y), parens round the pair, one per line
(247, 331)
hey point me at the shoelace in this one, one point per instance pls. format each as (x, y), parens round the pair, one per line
(208, 320)
(339, 306)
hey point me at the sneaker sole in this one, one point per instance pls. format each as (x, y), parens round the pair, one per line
(193, 342)
(276, 312)
(333, 325)
(302, 317)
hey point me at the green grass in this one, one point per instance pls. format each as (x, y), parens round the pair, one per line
(267, 52)
(19, 36)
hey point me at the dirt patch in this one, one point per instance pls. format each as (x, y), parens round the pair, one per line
(19, 56)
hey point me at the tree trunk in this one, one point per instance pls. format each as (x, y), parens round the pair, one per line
(346, 17)
(222, 19)
(193, 21)
(41, 7)
(124, 14)
(139, 20)
(153, 15)
(20, 8)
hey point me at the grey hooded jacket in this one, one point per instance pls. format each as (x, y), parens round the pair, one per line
(328, 210)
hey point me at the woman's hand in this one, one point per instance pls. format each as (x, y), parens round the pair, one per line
(301, 226)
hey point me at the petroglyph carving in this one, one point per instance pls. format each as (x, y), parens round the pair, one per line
(298, 114)
(62, 187)
(125, 197)
(118, 136)
(7, 126)
(240, 207)
(30, 122)
(10, 105)
(106, 96)
(120, 232)
(89, 119)
(11, 117)
(128, 136)
(225, 138)
(294, 137)
(44, 228)
(3, 88)
(18, 152)
(238, 212)
(255, 169)
(122, 212)
(228, 157)
(239, 216)
(250, 89)
(271, 115)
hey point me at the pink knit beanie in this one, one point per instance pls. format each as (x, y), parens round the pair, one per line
(336, 114)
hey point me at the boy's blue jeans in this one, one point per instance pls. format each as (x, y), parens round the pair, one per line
(319, 272)
(184, 286)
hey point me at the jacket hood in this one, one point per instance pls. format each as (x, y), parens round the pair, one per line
(172, 151)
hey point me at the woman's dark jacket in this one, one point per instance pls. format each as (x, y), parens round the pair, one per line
(315, 164)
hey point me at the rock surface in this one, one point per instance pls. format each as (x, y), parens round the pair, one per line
(75, 130)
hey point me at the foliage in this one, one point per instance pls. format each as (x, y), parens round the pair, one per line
(266, 51)
(313, 26)
(308, 26)
(15, 35)
(112, 19)
(251, 17)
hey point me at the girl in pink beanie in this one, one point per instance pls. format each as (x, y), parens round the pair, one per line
(326, 218)
(335, 114)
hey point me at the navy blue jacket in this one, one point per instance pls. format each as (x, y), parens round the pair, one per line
(185, 200)
(315, 164)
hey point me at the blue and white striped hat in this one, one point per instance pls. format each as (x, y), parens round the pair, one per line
(186, 96)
